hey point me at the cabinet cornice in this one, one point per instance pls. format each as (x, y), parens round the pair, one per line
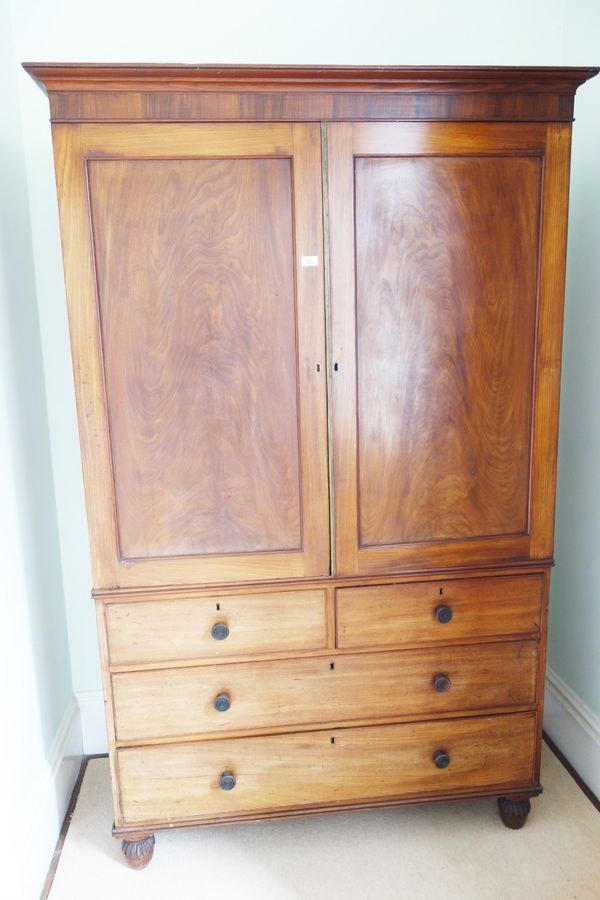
(97, 92)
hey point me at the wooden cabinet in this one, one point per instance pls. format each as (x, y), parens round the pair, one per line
(316, 325)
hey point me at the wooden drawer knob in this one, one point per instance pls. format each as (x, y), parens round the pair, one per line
(443, 614)
(227, 781)
(220, 631)
(441, 759)
(442, 683)
(222, 702)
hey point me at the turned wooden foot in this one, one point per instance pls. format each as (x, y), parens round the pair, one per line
(513, 812)
(138, 851)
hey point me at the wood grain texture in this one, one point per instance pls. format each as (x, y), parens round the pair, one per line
(209, 106)
(380, 615)
(446, 301)
(292, 93)
(179, 782)
(297, 692)
(163, 630)
(427, 79)
(178, 498)
(195, 269)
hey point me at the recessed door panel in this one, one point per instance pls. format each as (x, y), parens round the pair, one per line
(446, 289)
(203, 411)
(195, 269)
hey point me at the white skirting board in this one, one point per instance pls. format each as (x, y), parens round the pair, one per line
(45, 806)
(574, 728)
(93, 722)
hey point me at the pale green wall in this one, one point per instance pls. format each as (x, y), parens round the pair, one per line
(26, 443)
(574, 647)
(34, 651)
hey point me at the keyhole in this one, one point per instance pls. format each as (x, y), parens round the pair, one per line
(333, 740)
(318, 367)
(441, 591)
(335, 367)
(218, 607)
(332, 666)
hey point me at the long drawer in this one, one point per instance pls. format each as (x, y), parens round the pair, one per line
(212, 779)
(171, 703)
(431, 611)
(147, 631)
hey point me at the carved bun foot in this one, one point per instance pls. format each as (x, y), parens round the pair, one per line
(138, 853)
(513, 812)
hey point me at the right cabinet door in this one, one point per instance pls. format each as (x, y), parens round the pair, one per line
(447, 246)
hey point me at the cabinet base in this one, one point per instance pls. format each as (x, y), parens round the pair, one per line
(138, 846)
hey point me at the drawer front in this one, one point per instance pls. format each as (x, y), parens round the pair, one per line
(172, 783)
(279, 693)
(161, 630)
(407, 613)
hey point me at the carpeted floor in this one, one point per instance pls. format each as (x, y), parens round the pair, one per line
(446, 851)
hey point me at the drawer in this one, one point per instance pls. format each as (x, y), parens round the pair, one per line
(171, 703)
(395, 614)
(172, 783)
(149, 631)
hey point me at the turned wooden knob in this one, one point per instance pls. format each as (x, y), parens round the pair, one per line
(220, 631)
(442, 683)
(443, 614)
(227, 781)
(441, 759)
(222, 702)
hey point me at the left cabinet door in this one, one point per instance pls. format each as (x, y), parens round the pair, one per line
(198, 344)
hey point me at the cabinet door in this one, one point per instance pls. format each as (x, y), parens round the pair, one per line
(447, 266)
(198, 344)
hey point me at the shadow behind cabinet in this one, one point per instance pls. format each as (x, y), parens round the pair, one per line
(316, 325)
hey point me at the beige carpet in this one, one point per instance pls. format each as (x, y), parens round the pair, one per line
(446, 851)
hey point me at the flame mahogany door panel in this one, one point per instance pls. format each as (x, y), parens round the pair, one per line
(446, 290)
(199, 348)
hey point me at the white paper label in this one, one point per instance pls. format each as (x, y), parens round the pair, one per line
(309, 260)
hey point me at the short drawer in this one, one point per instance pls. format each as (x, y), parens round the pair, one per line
(225, 778)
(172, 703)
(395, 614)
(147, 631)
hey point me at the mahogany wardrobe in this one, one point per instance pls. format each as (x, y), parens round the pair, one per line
(316, 322)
